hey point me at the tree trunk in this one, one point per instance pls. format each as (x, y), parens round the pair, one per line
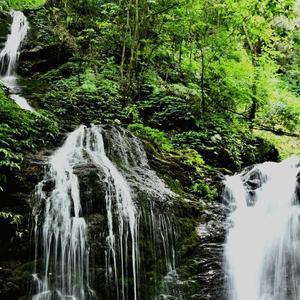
(203, 104)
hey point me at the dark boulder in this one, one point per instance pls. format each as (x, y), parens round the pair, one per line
(43, 58)
(202, 272)
(5, 21)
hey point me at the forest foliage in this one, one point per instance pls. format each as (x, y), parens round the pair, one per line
(6, 5)
(191, 74)
(21, 132)
(192, 58)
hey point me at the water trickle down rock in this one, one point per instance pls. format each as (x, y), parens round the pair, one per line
(104, 197)
(9, 57)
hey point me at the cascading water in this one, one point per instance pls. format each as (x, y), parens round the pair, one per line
(144, 182)
(9, 57)
(61, 229)
(262, 250)
(125, 211)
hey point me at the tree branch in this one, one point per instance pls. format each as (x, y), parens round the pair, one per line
(277, 132)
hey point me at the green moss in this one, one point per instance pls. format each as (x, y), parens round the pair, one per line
(197, 171)
(175, 185)
(21, 4)
(191, 157)
(286, 145)
(20, 132)
(151, 134)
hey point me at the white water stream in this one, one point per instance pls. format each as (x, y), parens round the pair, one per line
(263, 245)
(62, 251)
(9, 58)
(117, 191)
(64, 233)
(60, 229)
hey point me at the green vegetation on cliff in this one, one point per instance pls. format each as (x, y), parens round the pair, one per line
(20, 5)
(21, 132)
(206, 73)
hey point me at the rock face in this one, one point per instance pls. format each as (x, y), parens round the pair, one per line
(194, 229)
(197, 235)
(179, 240)
(42, 50)
(5, 21)
(202, 270)
(128, 210)
(16, 249)
(43, 58)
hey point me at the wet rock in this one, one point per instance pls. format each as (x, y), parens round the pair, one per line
(92, 189)
(202, 272)
(253, 180)
(43, 58)
(197, 227)
(16, 241)
(5, 21)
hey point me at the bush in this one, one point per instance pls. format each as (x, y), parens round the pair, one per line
(219, 143)
(153, 135)
(20, 4)
(80, 94)
(282, 115)
(21, 131)
(169, 106)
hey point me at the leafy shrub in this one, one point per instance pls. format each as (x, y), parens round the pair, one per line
(168, 112)
(14, 219)
(20, 4)
(154, 135)
(283, 116)
(21, 131)
(83, 94)
(219, 143)
(169, 106)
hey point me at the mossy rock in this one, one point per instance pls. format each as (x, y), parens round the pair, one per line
(5, 21)
(15, 280)
(43, 50)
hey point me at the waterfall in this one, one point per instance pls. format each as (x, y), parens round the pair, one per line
(9, 57)
(61, 223)
(262, 250)
(118, 190)
(154, 214)
(60, 227)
